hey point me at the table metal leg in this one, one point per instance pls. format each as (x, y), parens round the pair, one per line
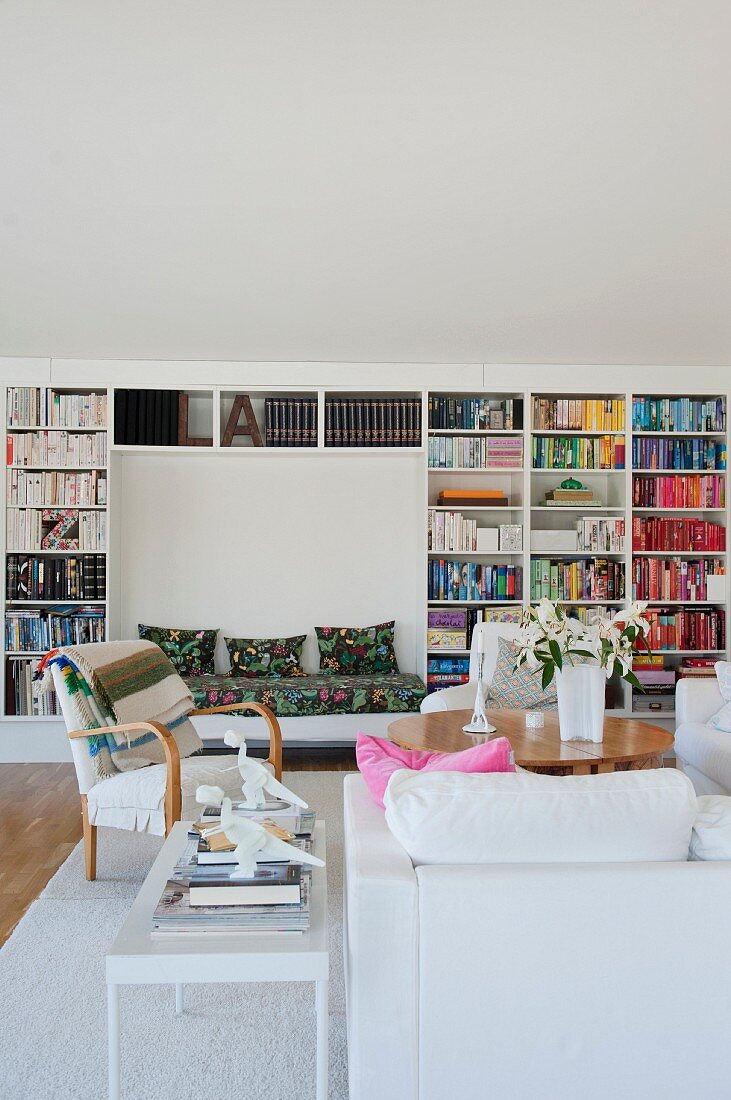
(322, 1026)
(113, 1040)
(179, 998)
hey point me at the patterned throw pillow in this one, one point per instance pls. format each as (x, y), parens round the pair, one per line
(274, 657)
(357, 651)
(519, 690)
(189, 651)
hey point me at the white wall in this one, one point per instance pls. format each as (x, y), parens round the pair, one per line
(271, 545)
(419, 180)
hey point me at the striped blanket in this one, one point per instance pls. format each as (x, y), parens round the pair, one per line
(117, 682)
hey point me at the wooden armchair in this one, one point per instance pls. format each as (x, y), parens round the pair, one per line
(150, 799)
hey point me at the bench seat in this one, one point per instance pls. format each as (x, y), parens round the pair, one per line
(308, 696)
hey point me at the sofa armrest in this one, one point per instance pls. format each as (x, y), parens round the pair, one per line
(461, 697)
(381, 952)
(696, 699)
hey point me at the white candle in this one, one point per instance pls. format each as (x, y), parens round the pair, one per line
(480, 642)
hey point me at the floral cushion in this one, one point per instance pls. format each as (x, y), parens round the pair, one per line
(521, 689)
(189, 651)
(266, 656)
(356, 650)
(300, 696)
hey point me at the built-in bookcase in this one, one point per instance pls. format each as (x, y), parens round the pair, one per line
(56, 533)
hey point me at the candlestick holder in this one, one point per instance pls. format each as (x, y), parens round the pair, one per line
(479, 722)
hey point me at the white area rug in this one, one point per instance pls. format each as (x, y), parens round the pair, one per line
(251, 1042)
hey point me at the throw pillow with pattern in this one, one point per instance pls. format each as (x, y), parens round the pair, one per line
(357, 650)
(521, 689)
(189, 651)
(273, 657)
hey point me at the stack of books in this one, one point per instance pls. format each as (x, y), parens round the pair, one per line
(697, 666)
(658, 683)
(570, 498)
(473, 498)
(201, 897)
(444, 672)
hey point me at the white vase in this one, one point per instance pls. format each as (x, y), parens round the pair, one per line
(580, 690)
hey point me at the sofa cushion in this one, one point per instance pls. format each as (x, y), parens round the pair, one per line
(299, 696)
(518, 689)
(357, 650)
(633, 816)
(274, 657)
(721, 720)
(189, 651)
(705, 749)
(379, 758)
(711, 837)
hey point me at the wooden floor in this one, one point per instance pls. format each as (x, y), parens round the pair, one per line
(40, 823)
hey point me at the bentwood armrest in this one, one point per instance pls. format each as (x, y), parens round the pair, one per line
(275, 734)
(173, 797)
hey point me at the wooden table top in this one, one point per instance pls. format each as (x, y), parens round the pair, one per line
(625, 740)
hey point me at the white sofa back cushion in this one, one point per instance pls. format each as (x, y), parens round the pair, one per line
(452, 818)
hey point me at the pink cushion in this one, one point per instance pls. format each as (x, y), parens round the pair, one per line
(378, 759)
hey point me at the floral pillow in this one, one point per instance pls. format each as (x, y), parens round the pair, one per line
(521, 689)
(189, 651)
(357, 650)
(273, 657)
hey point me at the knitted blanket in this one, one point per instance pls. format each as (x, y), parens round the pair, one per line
(118, 682)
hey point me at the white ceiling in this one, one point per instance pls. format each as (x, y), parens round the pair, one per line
(469, 180)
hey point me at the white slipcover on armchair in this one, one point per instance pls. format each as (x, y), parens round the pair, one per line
(462, 697)
(703, 753)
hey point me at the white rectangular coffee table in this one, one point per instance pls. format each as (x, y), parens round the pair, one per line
(137, 958)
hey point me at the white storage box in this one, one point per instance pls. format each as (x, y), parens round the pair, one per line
(487, 539)
(716, 588)
(546, 541)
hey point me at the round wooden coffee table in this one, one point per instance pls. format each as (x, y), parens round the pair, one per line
(627, 744)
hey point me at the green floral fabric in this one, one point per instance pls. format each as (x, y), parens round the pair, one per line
(357, 651)
(311, 695)
(189, 651)
(273, 657)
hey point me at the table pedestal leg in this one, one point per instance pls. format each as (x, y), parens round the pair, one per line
(113, 1040)
(322, 1027)
(179, 998)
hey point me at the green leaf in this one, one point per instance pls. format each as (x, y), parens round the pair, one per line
(555, 652)
(632, 679)
(548, 671)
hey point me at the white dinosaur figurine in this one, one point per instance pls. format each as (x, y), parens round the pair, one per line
(257, 778)
(253, 842)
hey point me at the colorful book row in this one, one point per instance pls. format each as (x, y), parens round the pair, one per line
(579, 414)
(665, 533)
(683, 491)
(471, 452)
(661, 579)
(475, 413)
(455, 580)
(41, 407)
(685, 629)
(577, 452)
(680, 414)
(585, 579)
(38, 631)
(678, 454)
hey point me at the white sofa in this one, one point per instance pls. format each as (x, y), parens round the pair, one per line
(703, 753)
(515, 981)
(462, 697)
